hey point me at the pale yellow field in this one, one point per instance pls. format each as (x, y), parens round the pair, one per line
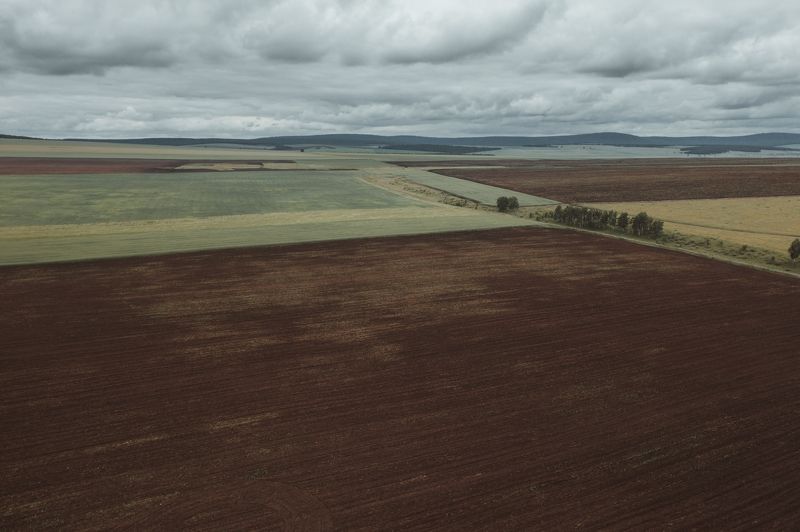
(31, 244)
(770, 223)
(234, 222)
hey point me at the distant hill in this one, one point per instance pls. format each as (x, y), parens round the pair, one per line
(761, 140)
(17, 137)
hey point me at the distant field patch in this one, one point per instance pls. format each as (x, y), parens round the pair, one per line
(464, 162)
(642, 180)
(480, 192)
(77, 165)
(229, 166)
(101, 150)
(770, 222)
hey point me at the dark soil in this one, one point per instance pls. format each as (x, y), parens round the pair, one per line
(509, 379)
(639, 179)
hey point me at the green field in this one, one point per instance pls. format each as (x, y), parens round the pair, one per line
(46, 218)
(81, 199)
(152, 240)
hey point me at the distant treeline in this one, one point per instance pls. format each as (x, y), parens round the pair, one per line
(599, 219)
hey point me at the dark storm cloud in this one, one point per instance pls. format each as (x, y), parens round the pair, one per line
(253, 68)
(56, 60)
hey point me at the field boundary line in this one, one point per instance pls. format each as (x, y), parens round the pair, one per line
(407, 194)
(654, 244)
(712, 256)
(730, 228)
(368, 180)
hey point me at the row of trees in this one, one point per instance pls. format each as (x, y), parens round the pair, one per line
(590, 218)
(599, 219)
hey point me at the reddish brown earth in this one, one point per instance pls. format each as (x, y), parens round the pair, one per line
(642, 180)
(518, 378)
(66, 165)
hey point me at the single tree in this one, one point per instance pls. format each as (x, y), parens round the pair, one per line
(794, 249)
(612, 219)
(639, 223)
(503, 204)
(513, 203)
(622, 220)
(656, 228)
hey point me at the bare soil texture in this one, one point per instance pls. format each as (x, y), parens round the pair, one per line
(642, 179)
(74, 165)
(507, 379)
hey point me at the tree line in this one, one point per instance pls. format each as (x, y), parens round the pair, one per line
(600, 219)
(609, 220)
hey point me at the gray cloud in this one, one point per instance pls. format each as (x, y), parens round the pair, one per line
(51, 38)
(455, 36)
(56, 60)
(253, 68)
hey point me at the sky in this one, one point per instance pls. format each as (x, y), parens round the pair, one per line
(254, 68)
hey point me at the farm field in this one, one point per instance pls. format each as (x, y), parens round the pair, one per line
(480, 192)
(593, 151)
(769, 223)
(642, 180)
(568, 152)
(68, 217)
(92, 198)
(81, 165)
(37, 244)
(99, 150)
(545, 379)
(78, 200)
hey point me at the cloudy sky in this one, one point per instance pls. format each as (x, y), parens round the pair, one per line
(250, 68)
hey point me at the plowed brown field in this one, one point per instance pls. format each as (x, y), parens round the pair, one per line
(515, 378)
(642, 179)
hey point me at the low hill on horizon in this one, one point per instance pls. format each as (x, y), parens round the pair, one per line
(18, 137)
(762, 140)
